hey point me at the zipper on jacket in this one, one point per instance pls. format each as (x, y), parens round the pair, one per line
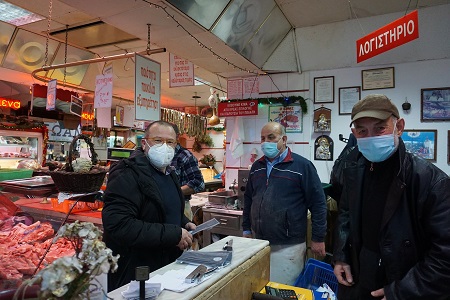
(379, 262)
(371, 167)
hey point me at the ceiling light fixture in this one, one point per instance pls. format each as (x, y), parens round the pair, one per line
(17, 16)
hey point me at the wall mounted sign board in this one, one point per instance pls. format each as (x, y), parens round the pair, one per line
(390, 36)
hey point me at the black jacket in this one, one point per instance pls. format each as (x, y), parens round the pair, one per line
(134, 219)
(415, 231)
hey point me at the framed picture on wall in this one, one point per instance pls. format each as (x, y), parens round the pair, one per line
(422, 143)
(291, 117)
(374, 79)
(323, 148)
(348, 96)
(324, 89)
(435, 104)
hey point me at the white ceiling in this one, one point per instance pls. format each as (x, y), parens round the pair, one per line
(132, 17)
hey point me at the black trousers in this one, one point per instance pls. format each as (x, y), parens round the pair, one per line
(354, 292)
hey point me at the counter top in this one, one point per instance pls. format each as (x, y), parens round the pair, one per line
(244, 250)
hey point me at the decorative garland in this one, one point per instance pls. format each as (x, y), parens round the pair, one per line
(285, 101)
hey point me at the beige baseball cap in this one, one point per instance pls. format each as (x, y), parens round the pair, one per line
(374, 106)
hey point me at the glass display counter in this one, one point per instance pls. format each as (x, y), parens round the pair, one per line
(16, 146)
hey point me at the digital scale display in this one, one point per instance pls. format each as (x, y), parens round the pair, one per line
(119, 153)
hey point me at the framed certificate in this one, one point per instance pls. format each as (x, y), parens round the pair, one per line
(348, 96)
(374, 79)
(324, 89)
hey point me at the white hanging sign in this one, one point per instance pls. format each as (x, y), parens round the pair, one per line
(147, 93)
(128, 115)
(103, 90)
(181, 71)
(243, 88)
(103, 117)
(51, 95)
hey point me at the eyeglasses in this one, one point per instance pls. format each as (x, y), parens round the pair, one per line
(160, 141)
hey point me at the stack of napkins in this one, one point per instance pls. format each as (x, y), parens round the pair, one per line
(152, 290)
(172, 280)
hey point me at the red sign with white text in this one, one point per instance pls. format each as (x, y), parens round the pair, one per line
(388, 37)
(238, 108)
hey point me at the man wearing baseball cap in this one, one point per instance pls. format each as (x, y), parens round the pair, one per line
(392, 239)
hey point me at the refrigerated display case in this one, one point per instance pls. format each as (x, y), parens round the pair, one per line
(16, 146)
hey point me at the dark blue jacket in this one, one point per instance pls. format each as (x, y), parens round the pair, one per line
(276, 208)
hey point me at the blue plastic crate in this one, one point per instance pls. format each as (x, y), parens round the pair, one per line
(315, 274)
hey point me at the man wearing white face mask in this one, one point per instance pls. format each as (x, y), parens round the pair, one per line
(281, 187)
(143, 217)
(392, 239)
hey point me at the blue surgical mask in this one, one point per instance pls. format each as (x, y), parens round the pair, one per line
(270, 149)
(377, 148)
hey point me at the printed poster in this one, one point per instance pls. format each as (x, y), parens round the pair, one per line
(291, 117)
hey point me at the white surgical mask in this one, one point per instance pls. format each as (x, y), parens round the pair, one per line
(160, 155)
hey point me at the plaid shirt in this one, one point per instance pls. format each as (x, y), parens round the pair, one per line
(186, 168)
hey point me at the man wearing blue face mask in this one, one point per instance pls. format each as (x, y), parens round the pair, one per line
(143, 217)
(392, 239)
(282, 186)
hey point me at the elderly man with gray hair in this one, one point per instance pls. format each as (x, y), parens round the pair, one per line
(392, 239)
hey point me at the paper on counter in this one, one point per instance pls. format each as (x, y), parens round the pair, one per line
(174, 280)
(212, 259)
(204, 226)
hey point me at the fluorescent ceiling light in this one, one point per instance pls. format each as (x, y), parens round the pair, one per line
(199, 81)
(17, 16)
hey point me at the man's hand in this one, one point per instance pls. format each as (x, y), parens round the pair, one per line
(318, 248)
(378, 293)
(343, 273)
(190, 226)
(186, 239)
